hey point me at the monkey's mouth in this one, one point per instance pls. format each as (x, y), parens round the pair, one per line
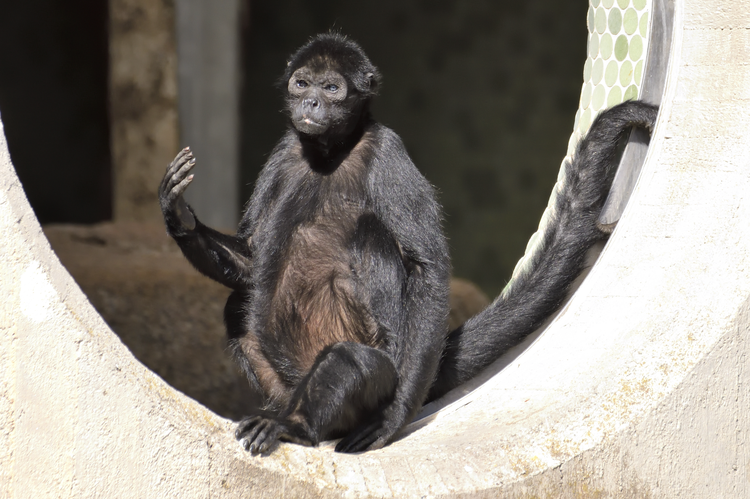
(309, 126)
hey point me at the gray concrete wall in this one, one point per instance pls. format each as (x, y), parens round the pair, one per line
(209, 79)
(637, 389)
(143, 104)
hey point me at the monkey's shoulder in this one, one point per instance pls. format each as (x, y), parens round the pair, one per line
(391, 161)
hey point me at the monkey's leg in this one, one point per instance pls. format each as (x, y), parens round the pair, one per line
(234, 320)
(348, 384)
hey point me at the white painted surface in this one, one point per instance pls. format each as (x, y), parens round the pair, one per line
(37, 294)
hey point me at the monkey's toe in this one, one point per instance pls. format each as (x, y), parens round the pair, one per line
(258, 435)
(370, 437)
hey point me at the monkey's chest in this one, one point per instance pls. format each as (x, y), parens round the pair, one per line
(317, 300)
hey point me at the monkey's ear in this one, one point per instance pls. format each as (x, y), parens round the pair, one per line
(372, 81)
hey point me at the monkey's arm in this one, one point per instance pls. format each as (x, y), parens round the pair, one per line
(405, 204)
(223, 258)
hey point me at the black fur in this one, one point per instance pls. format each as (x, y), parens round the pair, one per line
(340, 270)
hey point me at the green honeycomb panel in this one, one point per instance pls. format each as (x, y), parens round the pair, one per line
(593, 45)
(598, 72)
(600, 20)
(630, 21)
(626, 73)
(612, 73)
(636, 48)
(614, 21)
(615, 96)
(643, 25)
(605, 46)
(621, 47)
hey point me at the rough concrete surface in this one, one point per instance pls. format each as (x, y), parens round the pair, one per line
(637, 389)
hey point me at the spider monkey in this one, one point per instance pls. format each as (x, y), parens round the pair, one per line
(340, 270)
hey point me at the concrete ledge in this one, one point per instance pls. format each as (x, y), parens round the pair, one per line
(637, 389)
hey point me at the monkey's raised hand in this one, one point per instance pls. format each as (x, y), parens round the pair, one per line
(222, 257)
(177, 214)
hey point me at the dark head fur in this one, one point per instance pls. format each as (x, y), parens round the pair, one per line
(337, 52)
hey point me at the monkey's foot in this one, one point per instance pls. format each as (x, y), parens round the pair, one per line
(260, 434)
(370, 437)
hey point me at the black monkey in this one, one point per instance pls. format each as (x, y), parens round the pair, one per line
(340, 270)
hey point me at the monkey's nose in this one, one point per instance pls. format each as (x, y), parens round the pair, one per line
(312, 102)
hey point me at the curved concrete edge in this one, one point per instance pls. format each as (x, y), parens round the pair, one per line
(638, 387)
(80, 416)
(79, 413)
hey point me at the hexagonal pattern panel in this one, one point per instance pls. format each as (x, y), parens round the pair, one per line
(613, 73)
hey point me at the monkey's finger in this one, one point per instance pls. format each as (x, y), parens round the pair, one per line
(248, 441)
(363, 443)
(378, 443)
(178, 165)
(355, 442)
(252, 432)
(177, 190)
(245, 444)
(174, 167)
(245, 425)
(170, 181)
(180, 158)
(266, 437)
(180, 174)
(270, 439)
(183, 152)
(164, 185)
(374, 437)
(255, 436)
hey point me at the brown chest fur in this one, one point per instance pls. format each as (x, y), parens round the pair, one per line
(316, 302)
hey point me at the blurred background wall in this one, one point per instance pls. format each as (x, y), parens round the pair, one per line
(483, 94)
(53, 103)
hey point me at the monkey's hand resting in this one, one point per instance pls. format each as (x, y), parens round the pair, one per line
(177, 214)
(261, 433)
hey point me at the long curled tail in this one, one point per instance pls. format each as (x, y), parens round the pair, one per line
(536, 293)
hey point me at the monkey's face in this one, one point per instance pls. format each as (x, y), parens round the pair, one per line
(319, 101)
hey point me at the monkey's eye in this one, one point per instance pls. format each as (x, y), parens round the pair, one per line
(301, 84)
(331, 87)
